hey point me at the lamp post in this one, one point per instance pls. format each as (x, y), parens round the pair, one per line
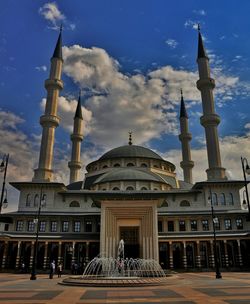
(37, 222)
(3, 168)
(246, 170)
(214, 220)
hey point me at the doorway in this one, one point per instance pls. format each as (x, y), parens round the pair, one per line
(130, 236)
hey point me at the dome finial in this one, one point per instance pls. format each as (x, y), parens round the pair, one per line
(130, 138)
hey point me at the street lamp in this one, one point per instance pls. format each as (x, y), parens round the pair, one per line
(3, 168)
(37, 222)
(214, 221)
(246, 170)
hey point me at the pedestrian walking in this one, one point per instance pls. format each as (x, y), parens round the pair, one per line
(52, 269)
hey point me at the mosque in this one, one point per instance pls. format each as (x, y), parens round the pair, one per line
(129, 193)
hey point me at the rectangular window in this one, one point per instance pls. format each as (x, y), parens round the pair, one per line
(53, 227)
(193, 225)
(19, 226)
(170, 225)
(216, 223)
(42, 227)
(160, 227)
(98, 227)
(205, 225)
(31, 226)
(228, 225)
(182, 225)
(65, 226)
(77, 226)
(88, 226)
(6, 227)
(239, 223)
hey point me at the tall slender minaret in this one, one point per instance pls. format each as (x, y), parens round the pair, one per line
(186, 163)
(76, 138)
(49, 121)
(210, 120)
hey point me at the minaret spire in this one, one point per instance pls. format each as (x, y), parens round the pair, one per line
(210, 120)
(186, 163)
(76, 138)
(49, 121)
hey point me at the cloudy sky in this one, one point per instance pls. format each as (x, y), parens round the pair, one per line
(130, 59)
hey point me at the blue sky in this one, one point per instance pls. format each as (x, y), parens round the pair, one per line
(130, 58)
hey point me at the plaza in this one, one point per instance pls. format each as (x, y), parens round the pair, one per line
(198, 287)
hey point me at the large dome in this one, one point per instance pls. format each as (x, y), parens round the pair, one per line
(130, 151)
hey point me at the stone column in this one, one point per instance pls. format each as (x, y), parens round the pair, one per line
(59, 259)
(87, 252)
(73, 252)
(226, 254)
(32, 254)
(171, 260)
(239, 258)
(211, 257)
(45, 255)
(5, 254)
(184, 258)
(18, 254)
(198, 257)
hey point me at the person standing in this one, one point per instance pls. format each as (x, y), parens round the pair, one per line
(52, 269)
(59, 270)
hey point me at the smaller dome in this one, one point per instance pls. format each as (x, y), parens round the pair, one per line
(130, 151)
(128, 174)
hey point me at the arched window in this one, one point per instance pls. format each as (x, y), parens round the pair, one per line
(117, 165)
(130, 165)
(144, 188)
(165, 204)
(231, 199)
(222, 199)
(184, 203)
(115, 188)
(105, 166)
(214, 199)
(74, 204)
(156, 166)
(144, 165)
(130, 188)
(36, 200)
(28, 200)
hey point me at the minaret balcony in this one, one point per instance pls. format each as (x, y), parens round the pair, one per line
(185, 136)
(205, 83)
(74, 164)
(49, 121)
(187, 164)
(210, 120)
(77, 137)
(54, 84)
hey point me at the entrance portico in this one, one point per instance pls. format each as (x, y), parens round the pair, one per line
(133, 220)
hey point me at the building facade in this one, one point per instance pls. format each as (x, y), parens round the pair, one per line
(129, 193)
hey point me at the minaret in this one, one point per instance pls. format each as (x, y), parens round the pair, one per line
(186, 163)
(210, 120)
(49, 121)
(76, 138)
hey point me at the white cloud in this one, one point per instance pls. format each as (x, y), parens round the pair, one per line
(191, 23)
(54, 16)
(42, 68)
(200, 12)
(171, 43)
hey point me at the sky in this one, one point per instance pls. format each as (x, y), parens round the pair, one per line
(129, 59)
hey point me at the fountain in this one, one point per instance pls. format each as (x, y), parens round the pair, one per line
(119, 271)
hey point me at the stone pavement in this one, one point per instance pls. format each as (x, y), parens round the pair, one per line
(180, 288)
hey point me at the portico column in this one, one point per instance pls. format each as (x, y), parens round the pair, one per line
(59, 259)
(239, 254)
(18, 254)
(226, 253)
(73, 252)
(184, 255)
(211, 257)
(87, 252)
(45, 255)
(198, 257)
(171, 260)
(5, 253)
(32, 254)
